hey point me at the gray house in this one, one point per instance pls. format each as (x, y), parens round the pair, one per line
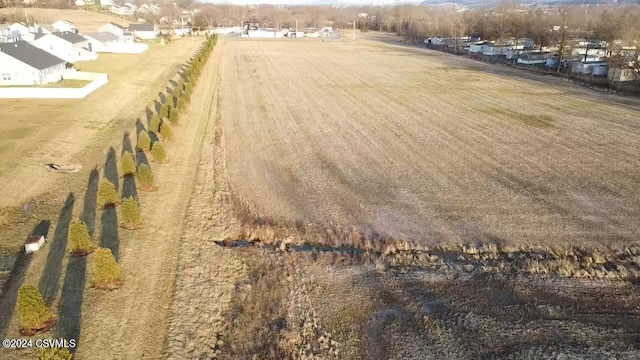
(24, 64)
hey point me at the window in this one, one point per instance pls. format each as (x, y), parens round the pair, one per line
(6, 76)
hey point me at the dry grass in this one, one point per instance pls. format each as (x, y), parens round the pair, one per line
(387, 143)
(85, 21)
(65, 83)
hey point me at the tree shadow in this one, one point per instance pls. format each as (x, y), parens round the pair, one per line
(109, 231)
(111, 168)
(148, 113)
(169, 91)
(90, 201)
(70, 311)
(129, 187)
(16, 278)
(50, 278)
(163, 98)
(141, 158)
(154, 137)
(139, 127)
(157, 105)
(174, 102)
(173, 83)
(126, 144)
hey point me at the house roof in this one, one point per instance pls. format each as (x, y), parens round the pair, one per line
(69, 36)
(141, 27)
(118, 25)
(103, 36)
(37, 36)
(30, 55)
(66, 22)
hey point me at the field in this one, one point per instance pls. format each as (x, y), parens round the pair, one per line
(85, 21)
(426, 147)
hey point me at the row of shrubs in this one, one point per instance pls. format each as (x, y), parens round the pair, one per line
(35, 316)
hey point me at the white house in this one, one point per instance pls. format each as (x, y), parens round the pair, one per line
(34, 243)
(597, 68)
(148, 9)
(84, 2)
(144, 31)
(495, 49)
(106, 3)
(534, 58)
(64, 25)
(24, 64)
(121, 10)
(66, 45)
(106, 42)
(478, 47)
(115, 29)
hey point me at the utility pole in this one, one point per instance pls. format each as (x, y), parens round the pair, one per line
(354, 28)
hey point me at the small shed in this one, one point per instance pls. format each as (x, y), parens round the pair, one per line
(34, 243)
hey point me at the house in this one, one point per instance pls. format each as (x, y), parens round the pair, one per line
(149, 9)
(118, 30)
(596, 68)
(64, 25)
(33, 243)
(144, 31)
(84, 2)
(534, 58)
(107, 4)
(495, 49)
(102, 41)
(24, 64)
(121, 10)
(131, 6)
(478, 47)
(24, 31)
(66, 45)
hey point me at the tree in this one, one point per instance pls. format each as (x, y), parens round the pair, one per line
(128, 164)
(166, 132)
(79, 239)
(155, 124)
(106, 272)
(158, 153)
(145, 178)
(175, 103)
(130, 214)
(35, 316)
(55, 353)
(144, 141)
(174, 116)
(164, 111)
(107, 194)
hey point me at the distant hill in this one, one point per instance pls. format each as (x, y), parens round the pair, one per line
(478, 3)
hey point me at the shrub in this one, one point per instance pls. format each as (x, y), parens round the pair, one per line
(155, 124)
(158, 153)
(164, 111)
(107, 194)
(128, 164)
(54, 353)
(79, 238)
(174, 116)
(130, 214)
(34, 314)
(106, 272)
(166, 132)
(145, 178)
(144, 141)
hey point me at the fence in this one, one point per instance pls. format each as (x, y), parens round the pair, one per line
(97, 80)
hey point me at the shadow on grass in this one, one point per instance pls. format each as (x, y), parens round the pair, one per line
(16, 278)
(70, 311)
(154, 137)
(90, 201)
(157, 105)
(173, 83)
(148, 113)
(109, 231)
(163, 98)
(129, 187)
(139, 127)
(126, 144)
(141, 158)
(50, 278)
(111, 168)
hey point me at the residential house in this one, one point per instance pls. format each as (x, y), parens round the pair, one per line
(102, 41)
(64, 26)
(118, 30)
(24, 64)
(131, 6)
(84, 2)
(24, 32)
(495, 49)
(148, 9)
(534, 58)
(596, 68)
(121, 10)
(478, 47)
(66, 45)
(107, 4)
(144, 31)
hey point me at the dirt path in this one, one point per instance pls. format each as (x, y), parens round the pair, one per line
(419, 146)
(131, 323)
